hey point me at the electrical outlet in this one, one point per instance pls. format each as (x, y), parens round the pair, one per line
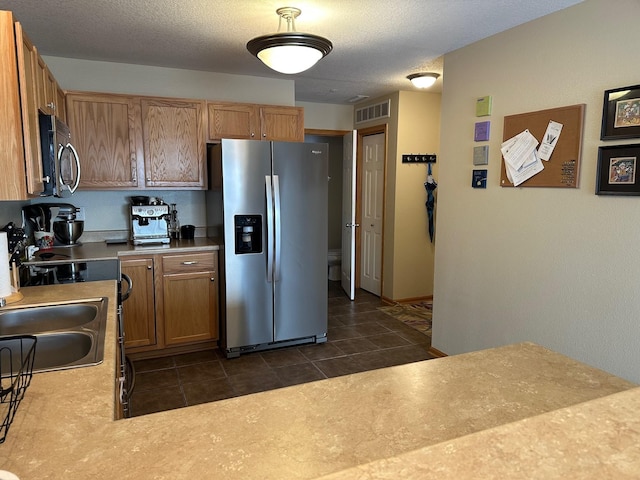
(80, 213)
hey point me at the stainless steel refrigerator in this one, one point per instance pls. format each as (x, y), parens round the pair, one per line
(274, 261)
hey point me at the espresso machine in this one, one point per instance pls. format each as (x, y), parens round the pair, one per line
(150, 224)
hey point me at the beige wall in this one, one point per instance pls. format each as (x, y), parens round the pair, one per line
(413, 127)
(558, 267)
(413, 252)
(326, 116)
(73, 74)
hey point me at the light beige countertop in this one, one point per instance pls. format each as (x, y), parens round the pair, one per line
(598, 439)
(64, 427)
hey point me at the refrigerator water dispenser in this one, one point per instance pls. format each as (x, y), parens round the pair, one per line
(248, 233)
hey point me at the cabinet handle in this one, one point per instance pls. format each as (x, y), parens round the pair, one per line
(149, 267)
(213, 279)
(253, 134)
(192, 262)
(51, 105)
(264, 135)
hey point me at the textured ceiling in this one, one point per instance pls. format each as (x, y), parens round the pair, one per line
(376, 43)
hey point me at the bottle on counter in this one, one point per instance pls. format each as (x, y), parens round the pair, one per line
(174, 223)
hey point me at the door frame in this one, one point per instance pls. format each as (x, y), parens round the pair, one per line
(360, 134)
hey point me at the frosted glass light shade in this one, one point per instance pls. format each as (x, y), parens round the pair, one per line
(290, 52)
(423, 80)
(290, 59)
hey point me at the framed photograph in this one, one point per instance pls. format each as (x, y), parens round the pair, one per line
(618, 170)
(481, 131)
(621, 113)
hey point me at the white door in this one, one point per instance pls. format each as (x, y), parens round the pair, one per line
(349, 214)
(373, 147)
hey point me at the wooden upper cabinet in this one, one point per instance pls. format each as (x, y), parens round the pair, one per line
(107, 134)
(61, 104)
(232, 121)
(19, 137)
(47, 89)
(27, 81)
(255, 122)
(174, 143)
(282, 124)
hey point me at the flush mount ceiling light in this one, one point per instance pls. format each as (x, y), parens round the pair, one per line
(424, 79)
(289, 52)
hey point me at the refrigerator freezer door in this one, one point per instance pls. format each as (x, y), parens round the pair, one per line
(249, 299)
(300, 294)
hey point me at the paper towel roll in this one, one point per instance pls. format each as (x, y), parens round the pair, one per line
(5, 277)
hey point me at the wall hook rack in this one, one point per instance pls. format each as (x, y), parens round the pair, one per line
(419, 158)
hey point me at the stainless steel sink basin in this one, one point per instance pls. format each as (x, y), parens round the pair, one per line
(69, 334)
(47, 318)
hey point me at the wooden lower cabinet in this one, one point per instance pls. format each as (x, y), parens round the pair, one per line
(174, 302)
(139, 309)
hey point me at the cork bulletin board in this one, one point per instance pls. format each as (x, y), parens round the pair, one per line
(563, 168)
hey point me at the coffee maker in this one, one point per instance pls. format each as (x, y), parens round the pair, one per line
(150, 224)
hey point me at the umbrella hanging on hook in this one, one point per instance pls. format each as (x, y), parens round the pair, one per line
(430, 185)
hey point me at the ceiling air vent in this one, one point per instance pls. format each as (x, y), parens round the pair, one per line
(373, 112)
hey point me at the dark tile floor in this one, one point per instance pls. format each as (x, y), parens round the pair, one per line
(360, 338)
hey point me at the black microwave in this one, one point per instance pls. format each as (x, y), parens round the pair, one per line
(60, 162)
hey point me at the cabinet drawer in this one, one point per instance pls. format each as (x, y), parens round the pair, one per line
(193, 262)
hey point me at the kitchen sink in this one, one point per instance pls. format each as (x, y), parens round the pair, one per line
(69, 335)
(47, 318)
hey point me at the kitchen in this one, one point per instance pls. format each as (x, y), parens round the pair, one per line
(242, 452)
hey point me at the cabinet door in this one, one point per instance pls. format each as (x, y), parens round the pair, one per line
(282, 124)
(190, 297)
(61, 110)
(27, 82)
(174, 143)
(107, 134)
(46, 87)
(232, 121)
(12, 183)
(139, 308)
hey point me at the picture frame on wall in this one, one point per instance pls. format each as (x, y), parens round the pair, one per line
(621, 113)
(617, 172)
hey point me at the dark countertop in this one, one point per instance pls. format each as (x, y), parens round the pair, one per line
(103, 251)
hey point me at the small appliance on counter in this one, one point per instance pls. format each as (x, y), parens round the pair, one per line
(64, 231)
(149, 222)
(66, 228)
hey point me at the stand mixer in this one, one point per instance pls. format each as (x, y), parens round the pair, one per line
(65, 227)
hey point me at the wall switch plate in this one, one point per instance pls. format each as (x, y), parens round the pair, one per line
(479, 179)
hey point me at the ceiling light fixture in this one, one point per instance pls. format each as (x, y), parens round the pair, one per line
(289, 52)
(423, 79)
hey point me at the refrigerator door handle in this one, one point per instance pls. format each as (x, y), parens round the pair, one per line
(270, 227)
(276, 216)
